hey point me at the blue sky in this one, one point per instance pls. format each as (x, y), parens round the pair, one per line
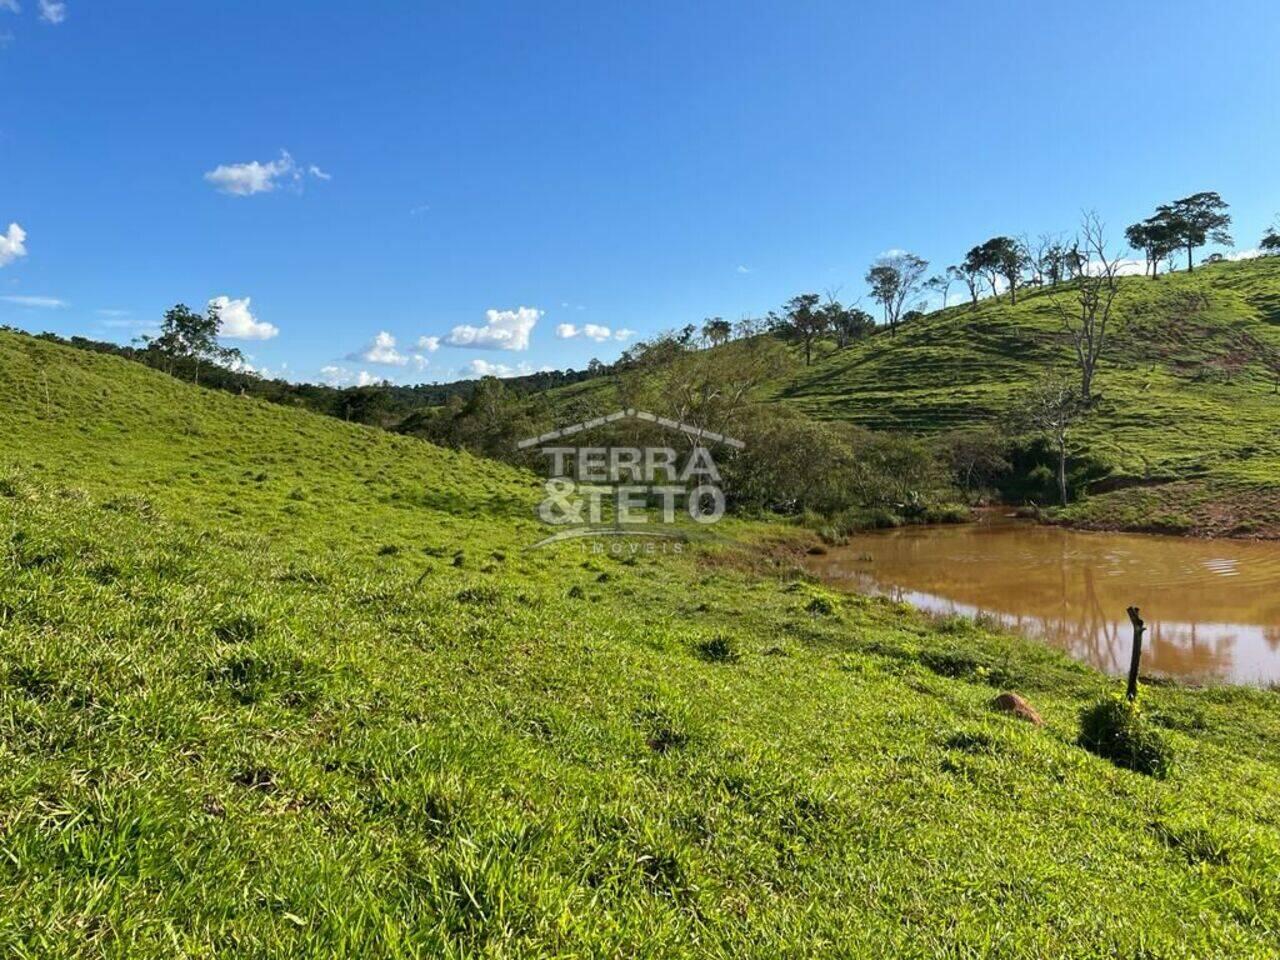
(633, 167)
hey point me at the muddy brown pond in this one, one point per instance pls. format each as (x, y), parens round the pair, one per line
(1212, 606)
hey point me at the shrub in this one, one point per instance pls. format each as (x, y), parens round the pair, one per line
(1117, 730)
(719, 649)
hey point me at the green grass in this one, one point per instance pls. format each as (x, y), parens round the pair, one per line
(276, 686)
(1166, 412)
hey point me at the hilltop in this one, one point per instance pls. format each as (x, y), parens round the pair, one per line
(272, 684)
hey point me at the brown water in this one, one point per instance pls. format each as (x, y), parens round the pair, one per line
(1212, 606)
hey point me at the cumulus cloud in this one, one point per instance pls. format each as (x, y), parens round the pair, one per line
(503, 330)
(483, 368)
(336, 376)
(53, 11)
(43, 303)
(384, 350)
(246, 179)
(12, 244)
(591, 331)
(239, 323)
(381, 350)
(429, 344)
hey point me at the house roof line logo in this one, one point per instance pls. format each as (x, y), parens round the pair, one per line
(631, 414)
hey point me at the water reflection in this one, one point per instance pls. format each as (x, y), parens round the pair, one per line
(1213, 607)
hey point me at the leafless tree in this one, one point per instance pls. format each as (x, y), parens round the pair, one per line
(1052, 407)
(1085, 311)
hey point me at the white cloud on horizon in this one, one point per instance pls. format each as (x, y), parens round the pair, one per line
(246, 179)
(592, 331)
(384, 350)
(503, 330)
(483, 368)
(429, 344)
(12, 244)
(239, 323)
(1251, 254)
(336, 376)
(41, 303)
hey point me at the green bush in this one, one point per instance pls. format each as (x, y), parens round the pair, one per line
(719, 649)
(1117, 730)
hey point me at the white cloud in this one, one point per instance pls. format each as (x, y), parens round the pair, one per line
(10, 5)
(429, 344)
(246, 179)
(504, 330)
(483, 368)
(43, 303)
(53, 11)
(12, 244)
(238, 323)
(336, 376)
(1250, 254)
(112, 313)
(382, 350)
(743, 269)
(592, 331)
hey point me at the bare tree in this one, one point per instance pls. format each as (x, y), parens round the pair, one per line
(1086, 311)
(1052, 407)
(941, 283)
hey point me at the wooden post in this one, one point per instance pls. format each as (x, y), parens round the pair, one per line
(1139, 628)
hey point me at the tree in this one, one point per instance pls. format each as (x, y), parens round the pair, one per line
(1053, 261)
(1085, 317)
(1196, 220)
(717, 331)
(970, 276)
(186, 335)
(978, 456)
(1270, 242)
(940, 283)
(999, 258)
(804, 318)
(1156, 237)
(852, 323)
(894, 279)
(1052, 407)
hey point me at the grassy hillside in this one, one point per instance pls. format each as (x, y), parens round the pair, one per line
(272, 685)
(1185, 411)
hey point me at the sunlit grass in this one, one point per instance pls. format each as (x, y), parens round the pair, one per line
(273, 685)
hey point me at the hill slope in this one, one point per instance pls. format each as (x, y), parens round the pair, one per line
(273, 685)
(1187, 412)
